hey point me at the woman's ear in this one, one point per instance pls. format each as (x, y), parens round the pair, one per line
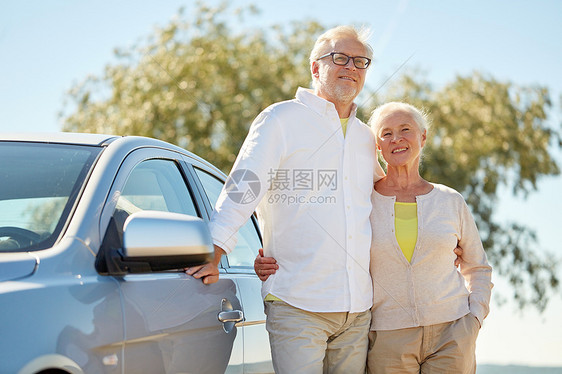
(424, 137)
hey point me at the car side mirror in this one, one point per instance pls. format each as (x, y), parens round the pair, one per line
(156, 241)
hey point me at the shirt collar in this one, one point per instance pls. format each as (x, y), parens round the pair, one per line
(318, 104)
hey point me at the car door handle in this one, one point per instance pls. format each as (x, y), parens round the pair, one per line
(231, 316)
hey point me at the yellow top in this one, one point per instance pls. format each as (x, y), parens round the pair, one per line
(270, 297)
(344, 122)
(406, 225)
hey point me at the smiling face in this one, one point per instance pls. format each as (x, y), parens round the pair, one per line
(400, 139)
(335, 83)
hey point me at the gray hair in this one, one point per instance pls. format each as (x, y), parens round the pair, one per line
(340, 32)
(420, 116)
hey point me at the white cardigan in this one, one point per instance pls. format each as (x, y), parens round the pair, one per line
(429, 290)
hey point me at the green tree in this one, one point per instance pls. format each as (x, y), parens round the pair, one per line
(200, 81)
(197, 83)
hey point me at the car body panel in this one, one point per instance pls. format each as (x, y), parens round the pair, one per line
(16, 265)
(93, 330)
(173, 322)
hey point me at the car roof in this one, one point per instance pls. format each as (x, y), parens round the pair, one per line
(59, 137)
(100, 140)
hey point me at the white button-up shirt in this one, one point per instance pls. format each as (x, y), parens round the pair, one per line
(311, 188)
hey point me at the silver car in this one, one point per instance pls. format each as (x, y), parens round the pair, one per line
(94, 232)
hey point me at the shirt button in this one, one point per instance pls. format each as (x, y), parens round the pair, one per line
(349, 236)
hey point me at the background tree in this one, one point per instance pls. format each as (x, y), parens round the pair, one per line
(197, 82)
(200, 81)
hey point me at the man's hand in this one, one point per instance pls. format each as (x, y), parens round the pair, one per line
(458, 252)
(209, 273)
(265, 266)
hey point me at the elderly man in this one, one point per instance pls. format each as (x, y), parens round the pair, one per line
(316, 166)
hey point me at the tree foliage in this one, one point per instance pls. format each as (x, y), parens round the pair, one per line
(200, 81)
(196, 83)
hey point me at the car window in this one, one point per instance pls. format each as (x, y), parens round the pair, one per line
(40, 184)
(249, 241)
(156, 185)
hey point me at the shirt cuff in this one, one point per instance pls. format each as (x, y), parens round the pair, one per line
(478, 312)
(223, 238)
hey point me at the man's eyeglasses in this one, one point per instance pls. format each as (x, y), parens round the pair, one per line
(342, 60)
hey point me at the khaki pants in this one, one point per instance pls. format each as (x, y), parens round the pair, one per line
(305, 342)
(442, 348)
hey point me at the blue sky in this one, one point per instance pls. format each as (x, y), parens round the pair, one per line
(47, 46)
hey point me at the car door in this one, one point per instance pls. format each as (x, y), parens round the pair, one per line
(238, 266)
(170, 318)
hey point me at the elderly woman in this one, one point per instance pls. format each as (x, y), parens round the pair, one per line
(426, 314)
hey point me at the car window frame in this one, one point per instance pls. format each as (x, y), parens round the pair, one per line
(220, 176)
(127, 165)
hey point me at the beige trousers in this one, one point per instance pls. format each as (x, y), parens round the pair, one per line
(442, 348)
(313, 343)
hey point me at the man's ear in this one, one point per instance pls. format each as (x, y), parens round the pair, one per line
(424, 137)
(314, 69)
